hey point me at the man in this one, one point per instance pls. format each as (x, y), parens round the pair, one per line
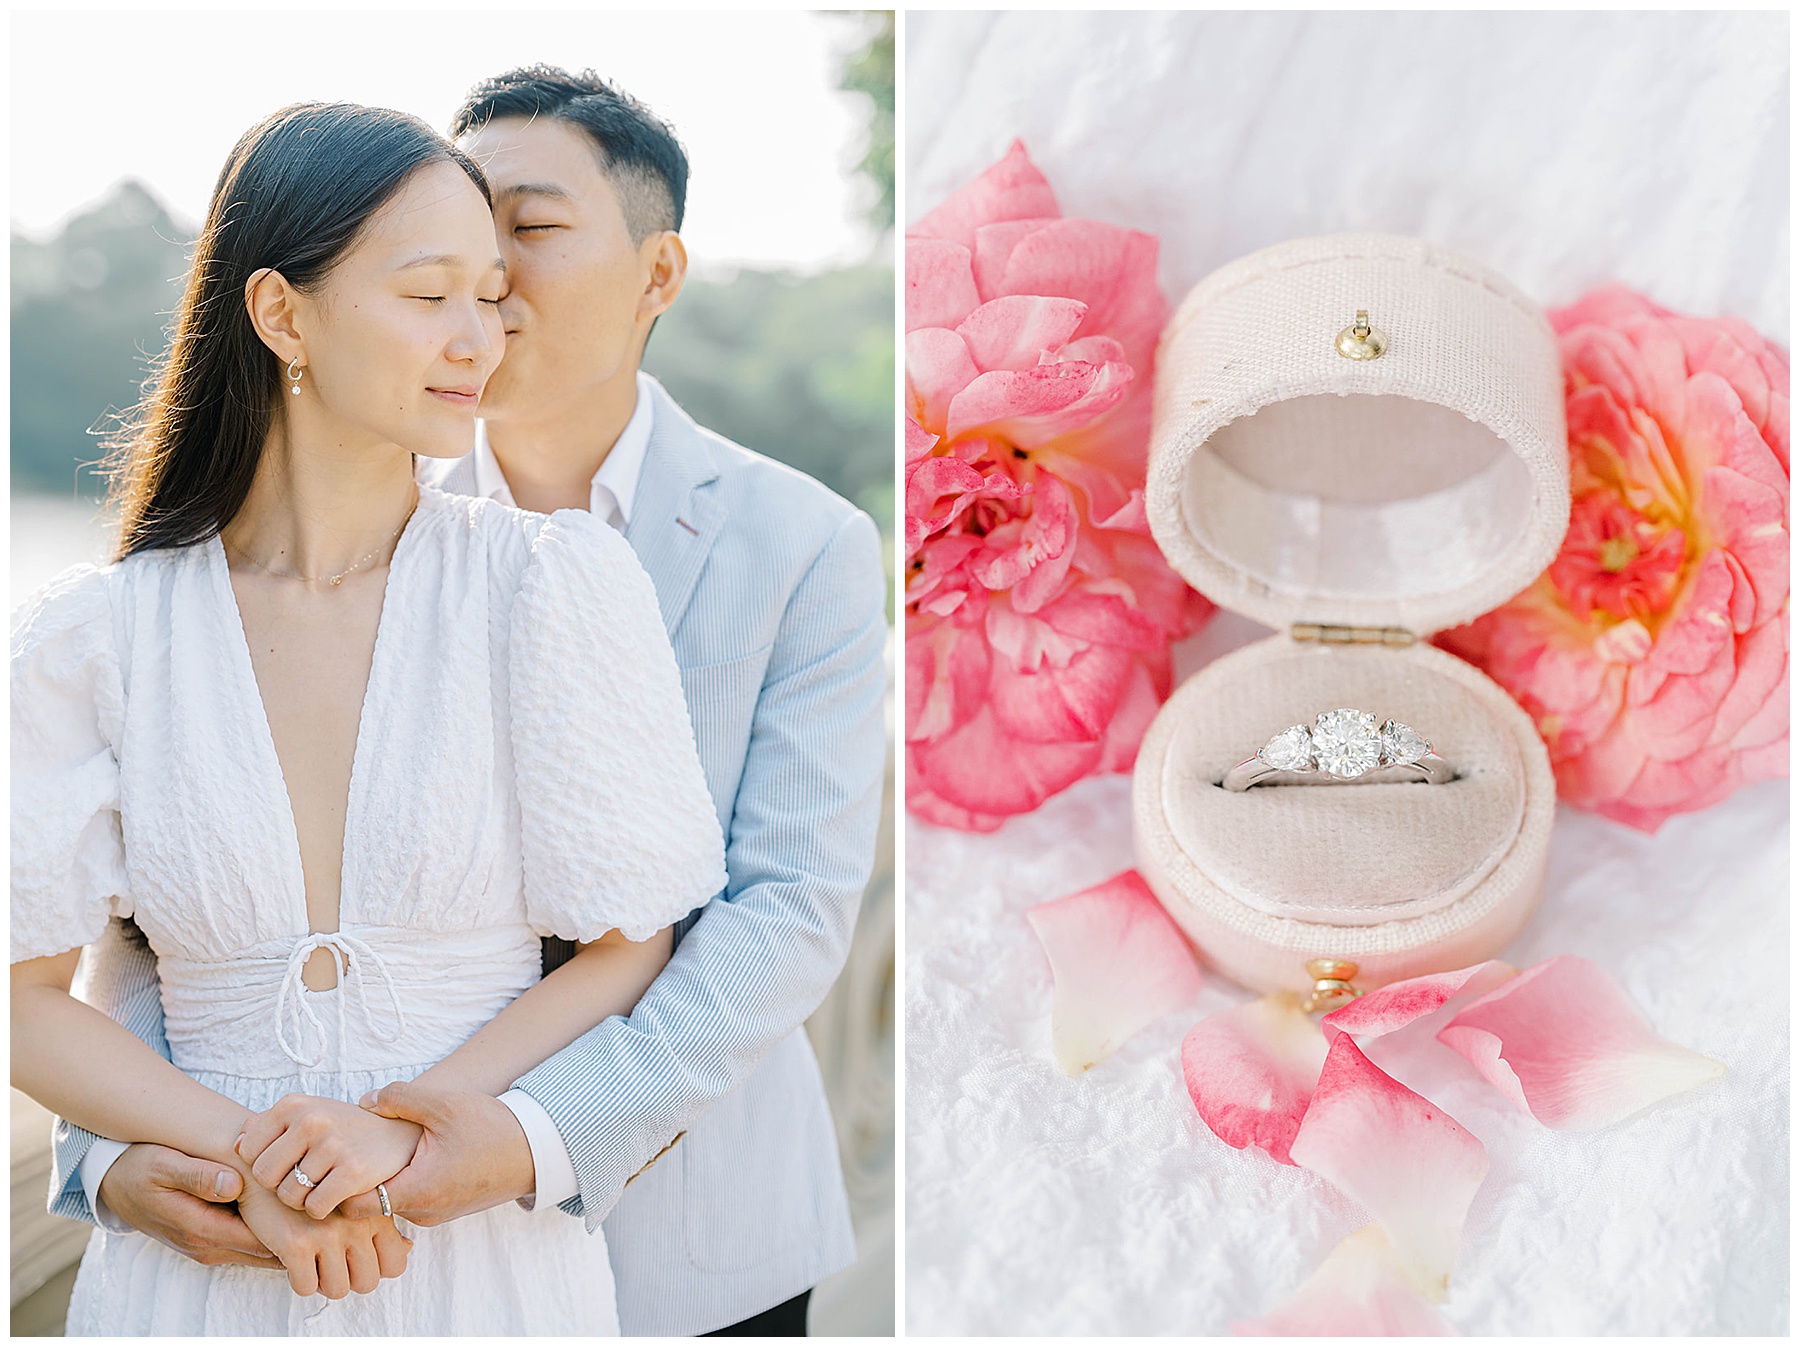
(707, 1101)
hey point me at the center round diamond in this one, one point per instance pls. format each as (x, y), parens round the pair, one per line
(1346, 742)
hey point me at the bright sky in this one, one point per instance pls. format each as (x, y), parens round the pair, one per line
(162, 97)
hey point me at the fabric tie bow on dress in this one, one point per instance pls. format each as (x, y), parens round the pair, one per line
(352, 957)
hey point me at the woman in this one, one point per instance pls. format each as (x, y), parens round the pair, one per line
(346, 749)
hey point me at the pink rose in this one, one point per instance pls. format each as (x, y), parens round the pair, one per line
(1653, 652)
(1039, 611)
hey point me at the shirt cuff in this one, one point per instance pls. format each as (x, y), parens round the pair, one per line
(556, 1182)
(94, 1165)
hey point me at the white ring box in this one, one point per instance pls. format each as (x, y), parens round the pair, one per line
(1356, 506)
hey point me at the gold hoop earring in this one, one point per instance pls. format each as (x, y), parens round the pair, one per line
(294, 372)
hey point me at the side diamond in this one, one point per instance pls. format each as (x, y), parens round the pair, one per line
(1289, 751)
(1346, 742)
(1402, 743)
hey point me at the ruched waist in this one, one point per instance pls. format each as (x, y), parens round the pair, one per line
(403, 997)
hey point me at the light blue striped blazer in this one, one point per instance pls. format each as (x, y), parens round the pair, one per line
(773, 592)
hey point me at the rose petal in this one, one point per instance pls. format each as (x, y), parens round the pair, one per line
(1060, 704)
(1563, 1041)
(940, 283)
(1138, 704)
(919, 441)
(1407, 1162)
(1251, 1071)
(947, 669)
(982, 768)
(1400, 1003)
(1119, 964)
(938, 367)
(1359, 1291)
(1109, 268)
(1019, 331)
(1030, 407)
(1010, 189)
(923, 803)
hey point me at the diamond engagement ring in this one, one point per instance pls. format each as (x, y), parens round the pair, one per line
(1338, 747)
(381, 1192)
(301, 1179)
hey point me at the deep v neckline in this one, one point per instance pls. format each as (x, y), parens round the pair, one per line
(263, 732)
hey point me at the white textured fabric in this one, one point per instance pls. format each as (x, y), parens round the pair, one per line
(1101, 1205)
(1564, 150)
(487, 808)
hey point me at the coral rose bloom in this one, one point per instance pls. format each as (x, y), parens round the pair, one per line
(1039, 611)
(1653, 652)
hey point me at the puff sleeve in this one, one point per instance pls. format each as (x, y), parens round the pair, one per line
(617, 828)
(68, 704)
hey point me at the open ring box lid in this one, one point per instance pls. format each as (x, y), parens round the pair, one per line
(1357, 506)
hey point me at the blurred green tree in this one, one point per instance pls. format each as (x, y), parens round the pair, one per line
(798, 367)
(869, 69)
(88, 313)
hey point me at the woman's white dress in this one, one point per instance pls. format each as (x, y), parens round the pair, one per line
(525, 766)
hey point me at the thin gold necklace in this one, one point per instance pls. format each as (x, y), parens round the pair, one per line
(333, 580)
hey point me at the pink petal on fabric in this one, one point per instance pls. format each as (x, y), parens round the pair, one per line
(1019, 331)
(1359, 1291)
(1119, 962)
(1251, 1071)
(1409, 1164)
(1010, 189)
(1400, 1003)
(940, 283)
(1564, 1042)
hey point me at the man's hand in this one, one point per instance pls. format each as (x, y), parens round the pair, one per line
(472, 1156)
(184, 1203)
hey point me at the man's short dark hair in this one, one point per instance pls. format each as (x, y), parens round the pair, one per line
(638, 150)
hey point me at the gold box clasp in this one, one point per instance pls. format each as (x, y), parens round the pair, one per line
(1331, 984)
(1360, 341)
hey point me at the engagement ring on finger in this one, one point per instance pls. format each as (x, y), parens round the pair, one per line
(1340, 747)
(381, 1192)
(301, 1179)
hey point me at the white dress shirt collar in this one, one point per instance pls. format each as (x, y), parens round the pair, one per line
(614, 487)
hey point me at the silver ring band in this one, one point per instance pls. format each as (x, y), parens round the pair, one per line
(1342, 747)
(381, 1192)
(301, 1179)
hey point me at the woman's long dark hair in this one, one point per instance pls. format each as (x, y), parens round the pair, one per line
(294, 194)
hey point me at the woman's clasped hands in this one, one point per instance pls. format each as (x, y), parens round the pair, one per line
(341, 1150)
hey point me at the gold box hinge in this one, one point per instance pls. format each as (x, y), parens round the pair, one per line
(1327, 634)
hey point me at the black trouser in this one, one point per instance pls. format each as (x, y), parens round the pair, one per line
(786, 1320)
